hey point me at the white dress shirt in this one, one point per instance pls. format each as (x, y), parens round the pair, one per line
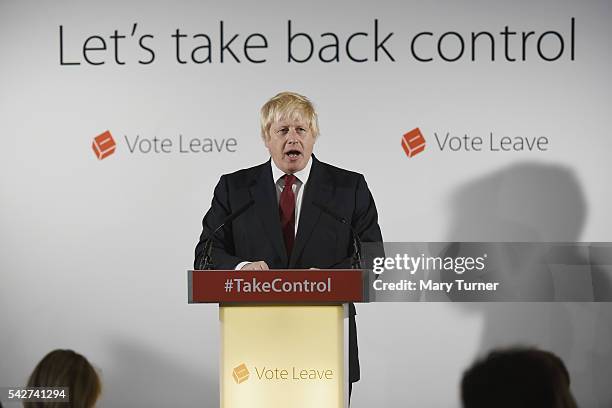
(298, 189)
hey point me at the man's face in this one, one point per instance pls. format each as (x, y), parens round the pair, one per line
(290, 144)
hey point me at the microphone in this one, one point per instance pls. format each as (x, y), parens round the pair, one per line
(356, 257)
(206, 261)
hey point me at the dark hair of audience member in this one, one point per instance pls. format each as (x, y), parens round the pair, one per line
(517, 378)
(65, 368)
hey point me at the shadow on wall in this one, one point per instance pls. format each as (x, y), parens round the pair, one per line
(532, 202)
(524, 202)
(140, 376)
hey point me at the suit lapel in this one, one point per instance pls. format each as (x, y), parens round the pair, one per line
(266, 207)
(319, 189)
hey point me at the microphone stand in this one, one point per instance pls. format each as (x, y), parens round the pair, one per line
(356, 256)
(206, 261)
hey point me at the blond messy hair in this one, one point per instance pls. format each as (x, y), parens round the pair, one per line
(288, 105)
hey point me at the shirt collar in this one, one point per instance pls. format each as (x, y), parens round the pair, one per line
(301, 175)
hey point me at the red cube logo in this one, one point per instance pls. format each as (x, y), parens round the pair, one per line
(413, 142)
(104, 145)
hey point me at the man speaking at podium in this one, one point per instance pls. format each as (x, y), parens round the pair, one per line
(294, 209)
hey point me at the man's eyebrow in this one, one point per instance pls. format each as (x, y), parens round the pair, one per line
(285, 125)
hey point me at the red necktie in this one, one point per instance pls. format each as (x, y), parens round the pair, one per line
(287, 213)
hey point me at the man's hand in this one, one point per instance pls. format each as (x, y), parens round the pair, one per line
(254, 266)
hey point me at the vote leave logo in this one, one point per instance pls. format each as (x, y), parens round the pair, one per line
(448, 141)
(240, 373)
(104, 145)
(413, 142)
(139, 144)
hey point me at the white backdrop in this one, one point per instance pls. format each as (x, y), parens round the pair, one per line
(93, 253)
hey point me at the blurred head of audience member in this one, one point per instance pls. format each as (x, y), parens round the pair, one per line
(517, 378)
(65, 368)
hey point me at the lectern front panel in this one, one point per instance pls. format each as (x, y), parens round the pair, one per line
(282, 356)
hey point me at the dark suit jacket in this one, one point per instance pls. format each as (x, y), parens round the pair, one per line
(321, 241)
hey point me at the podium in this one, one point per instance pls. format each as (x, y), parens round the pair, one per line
(284, 336)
